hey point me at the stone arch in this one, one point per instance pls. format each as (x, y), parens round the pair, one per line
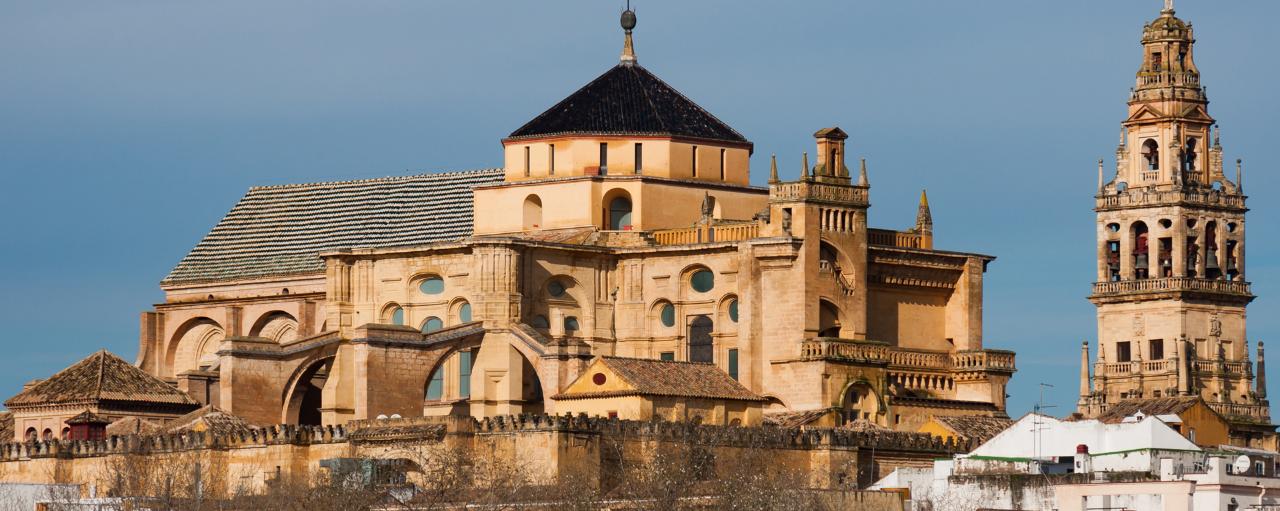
(829, 318)
(194, 343)
(727, 315)
(663, 316)
(1140, 235)
(304, 396)
(278, 326)
(618, 210)
(859, 400)
(701, 344)
(532, 212)
(687, 275)
(460, 311)
(390, 313)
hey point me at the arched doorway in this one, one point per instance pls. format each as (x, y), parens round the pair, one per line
(701, 348)
(306, 397)
(619, 214)
(859, 402)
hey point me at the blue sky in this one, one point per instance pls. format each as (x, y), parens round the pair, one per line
(127, 129)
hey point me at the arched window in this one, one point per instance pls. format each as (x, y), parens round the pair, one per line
(540, 322)
(733, 310)
(464, 313)
(701, 348)
(47, 435)
(31, 435)
(860, 402)
(1151, 154)
(667, 315)
(532, 213)
(432, 324)
(570, 325)
(1189, 155)
(620, 214)
(555, 288)
(66, 434)
(397, 316)
(1141, 251)
(435, 385)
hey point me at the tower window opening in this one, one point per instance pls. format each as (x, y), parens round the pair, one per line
(639, 158)
(1123, 353)
(1113, 261)
(1182, 59)
(1157, 60)
(1141, 252)
(722, 163)
(551, 160)
(1189, 156)
(604, 159)
(1156, 349)
(526, 161)
(1233, 268)
(1212, 270)
(465, 361)
(694, 156)
(1193, 256)
(1165, 258)
(1151, 154)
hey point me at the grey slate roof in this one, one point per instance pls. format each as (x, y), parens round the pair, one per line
(281, 230)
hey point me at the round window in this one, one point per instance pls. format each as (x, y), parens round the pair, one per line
(540, 321)
(733, 310)
(432, 286)
(599, 378)
(668, 314)
(702, 281)
(464, 313)
(570, 324)
(555, 288)
(432, 324)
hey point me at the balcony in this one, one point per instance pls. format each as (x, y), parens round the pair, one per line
(873, 352)
(1171, 284)
(1144, 197)
(809, 190)
(1258, 413)
(707, 234)
(888, 238)
(1170, 366)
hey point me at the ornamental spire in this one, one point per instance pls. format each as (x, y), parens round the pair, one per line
(773, 169)
(862, 174)
(1168, 6)
(628, 48)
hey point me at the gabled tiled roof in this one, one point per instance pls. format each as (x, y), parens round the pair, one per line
(650, 377)
(628, 100)
(98, 378)
(974, 427)
(281, 230)
(6, 427)
(1117, 412)
(87, 417)
(132, 426)
(209, 419)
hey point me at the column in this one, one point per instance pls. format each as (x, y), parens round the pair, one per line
(1202, 247)
(1126, 251)
(1222, 247)
(1179, 247)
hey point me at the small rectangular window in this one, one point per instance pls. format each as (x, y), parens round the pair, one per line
(1157, 349)
(1122, 352)
(639, 158)
(694, 156)
(551, 160)
(668, 356)
(733, 363)
(464, 374)
(526, 161)
(604, 159)
(722, 163)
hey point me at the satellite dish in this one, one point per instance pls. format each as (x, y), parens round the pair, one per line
(1241, 465)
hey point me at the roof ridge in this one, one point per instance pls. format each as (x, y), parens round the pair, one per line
(102, 365)
(692, 102)
(647, 98)
(642, 359)
(377, 179)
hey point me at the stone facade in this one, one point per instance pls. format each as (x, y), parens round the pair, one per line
(1171, 289)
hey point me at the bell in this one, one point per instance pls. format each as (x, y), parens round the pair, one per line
(1211, 261)
(1141, 263)
(1231, 264)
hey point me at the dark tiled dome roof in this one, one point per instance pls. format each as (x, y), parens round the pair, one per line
(628, 100)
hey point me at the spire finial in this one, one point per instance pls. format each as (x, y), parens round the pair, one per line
(773, 169)
(1168, 6)
(1240, 175)
(924, 217)
(628, 23)
(1099, 174)
(862, 174)
(804, 171)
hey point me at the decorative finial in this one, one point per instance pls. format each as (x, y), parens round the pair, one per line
(1168, 6)
(862, 174)
(628, 23)
(1099, 174)
(773, 169)
(924, 217)
(1239, 175)
(804, 171)
(1217, 136)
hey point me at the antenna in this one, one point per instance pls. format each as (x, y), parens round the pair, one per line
(1036, 425)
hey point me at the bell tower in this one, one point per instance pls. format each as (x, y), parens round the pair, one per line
(1171, 289)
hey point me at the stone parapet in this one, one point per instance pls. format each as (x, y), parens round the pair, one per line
(1158, 288)
(1147, 197)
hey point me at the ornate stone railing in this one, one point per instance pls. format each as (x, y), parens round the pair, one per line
(1172, 284)
(1170, 365)
(905, 359)
(1241, 410)
(829, 268)
(707, 234)
(1148, 197)
(802, 190)
(1221, 366)
(890, 238)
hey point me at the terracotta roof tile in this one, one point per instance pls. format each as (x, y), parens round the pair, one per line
(100, 377)
(973, 426)
(795, 419)
(209, 419)
(6, 427)
(650, 377)
(132, 426)
(1149, 406)
(87, 417)
(281, 230)
(628, 100)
